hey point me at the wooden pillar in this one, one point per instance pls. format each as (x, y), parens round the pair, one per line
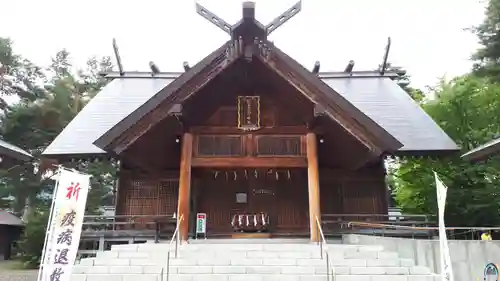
(185, 185)
(313, 185)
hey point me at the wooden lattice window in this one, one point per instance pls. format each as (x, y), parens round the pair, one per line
(168, 197)
(151, 197)
(210, 145)
(279, 146)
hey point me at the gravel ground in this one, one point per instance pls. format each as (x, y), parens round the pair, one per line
(9, 274)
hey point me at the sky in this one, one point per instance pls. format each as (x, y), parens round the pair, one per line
(428, 37)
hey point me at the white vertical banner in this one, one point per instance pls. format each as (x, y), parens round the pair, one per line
(446, 268)
(65, 226)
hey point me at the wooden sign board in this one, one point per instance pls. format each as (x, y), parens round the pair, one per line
(201, 223)
(249, 113)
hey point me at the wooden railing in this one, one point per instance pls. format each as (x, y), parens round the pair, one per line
(454, 232)
(334, 224)
(100, 232)
(128, 225)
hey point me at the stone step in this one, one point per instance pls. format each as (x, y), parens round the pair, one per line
(248, 277)
(293, 261)
(250, 269)
(83, 269)
(243, 247)
(258, 241)
(122, 262)
(201, 260)
(348, 254)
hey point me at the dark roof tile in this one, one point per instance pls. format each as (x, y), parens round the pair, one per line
(389, 105)
(14, 152)
(113, 103)
(7, 218)
(483, 151)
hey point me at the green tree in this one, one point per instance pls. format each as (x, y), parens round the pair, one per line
(33, 238)
(487, 57)
(467, 109)
(39, 117)
(18, 76)
(33, 123)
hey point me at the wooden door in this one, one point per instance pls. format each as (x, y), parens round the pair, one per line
(292, 205)
(216, 198)
(284, 198)
(263, 199)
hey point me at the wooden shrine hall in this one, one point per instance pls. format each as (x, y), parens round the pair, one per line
(250, 137)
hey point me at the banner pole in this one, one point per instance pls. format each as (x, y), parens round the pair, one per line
(49, 223)
(66, 225)
(445, 258)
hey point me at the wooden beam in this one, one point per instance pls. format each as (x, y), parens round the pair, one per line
(185, 185)
(371, 157)
(313, 186)
(116, 188)
(250, 162)
(292, 130)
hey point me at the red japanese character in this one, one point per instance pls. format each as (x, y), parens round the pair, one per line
(73, 191)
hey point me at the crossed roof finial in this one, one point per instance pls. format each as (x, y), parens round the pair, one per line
(248, 25)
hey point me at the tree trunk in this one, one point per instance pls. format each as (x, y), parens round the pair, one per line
(28, 209)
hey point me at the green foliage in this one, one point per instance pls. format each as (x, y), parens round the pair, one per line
(487, 57)
(49, 100)
(33, 125)
(18, 76)
(103, 175)
(416, 94)
(32, 239)
(467, 109)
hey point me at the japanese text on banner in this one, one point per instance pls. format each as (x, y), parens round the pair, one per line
(65, 226)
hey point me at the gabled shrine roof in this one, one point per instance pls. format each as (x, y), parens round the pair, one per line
(369, 105)
(334, 105)
(380, 98)
(13, 152)
(7, 218)
(483, 151)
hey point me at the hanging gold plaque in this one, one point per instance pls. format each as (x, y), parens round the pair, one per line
(249, 113)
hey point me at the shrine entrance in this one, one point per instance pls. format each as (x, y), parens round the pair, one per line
(273, 201)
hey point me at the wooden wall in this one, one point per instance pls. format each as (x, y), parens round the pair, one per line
(216, 104)
(214, 192)
(281, 193)
(359, 192)
(157, 151)
(8, 234)
(4, 241)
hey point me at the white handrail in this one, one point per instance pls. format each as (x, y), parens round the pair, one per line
(176, 237)
(329, 265)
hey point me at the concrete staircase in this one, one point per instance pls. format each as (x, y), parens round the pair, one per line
(244, 260)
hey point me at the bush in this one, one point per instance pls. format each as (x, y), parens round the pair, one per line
(32, 239)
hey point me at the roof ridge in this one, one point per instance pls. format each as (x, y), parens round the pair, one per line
(324, 74)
